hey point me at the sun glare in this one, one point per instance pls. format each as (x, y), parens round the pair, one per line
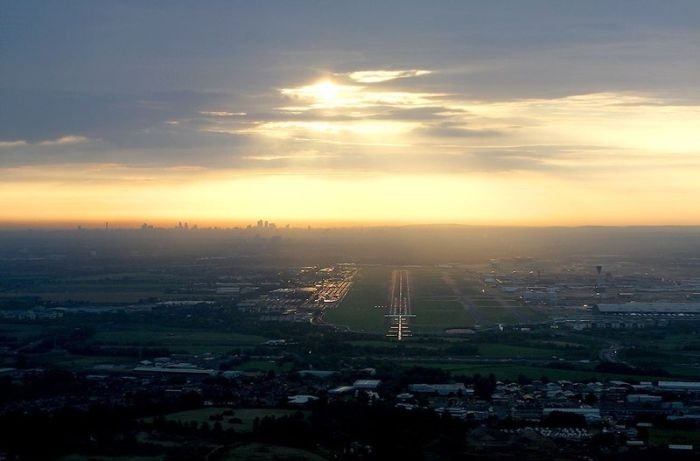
(326, 94)
(326, 91)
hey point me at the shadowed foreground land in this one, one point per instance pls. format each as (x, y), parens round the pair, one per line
(237, 346)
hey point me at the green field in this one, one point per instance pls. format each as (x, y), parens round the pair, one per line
(117, 296)
(104, 291)
(494, 350)
(177, 340)
(436, 306)
(384, 343)
(442, 298)
(492, 306)
(357, 311)
(80, 362)
(489, 348)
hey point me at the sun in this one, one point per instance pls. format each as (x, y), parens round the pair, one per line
(326, 92)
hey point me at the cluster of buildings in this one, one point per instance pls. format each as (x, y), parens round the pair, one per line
(616, 287)
(305, 297)
(614, 406)
(614, 400)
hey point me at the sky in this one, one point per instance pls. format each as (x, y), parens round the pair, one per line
(533, 113)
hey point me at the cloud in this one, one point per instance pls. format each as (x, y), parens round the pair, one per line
(360, 127)
(596, 91)
(425, 113)
(327, 94)
(217, 113)
(17, 143)
(493, 160)
(64, 141)
(40, 115)
(456, 130)
(378, 76)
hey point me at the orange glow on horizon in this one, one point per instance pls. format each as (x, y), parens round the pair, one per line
(347, 152)
(233, 199)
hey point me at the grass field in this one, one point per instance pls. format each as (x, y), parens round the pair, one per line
(123, 287)
(494, 350)
(392, 343)
(193, 341)
(99, 296)
(357, 311)
(492, 306)
(442, 298)
(80, 362)
(487, 349)
(446, 298)
(436, 306)
(104, 291)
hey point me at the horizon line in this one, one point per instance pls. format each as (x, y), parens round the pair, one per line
(313, 225)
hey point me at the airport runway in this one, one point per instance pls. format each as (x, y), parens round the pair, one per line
(400, 309)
